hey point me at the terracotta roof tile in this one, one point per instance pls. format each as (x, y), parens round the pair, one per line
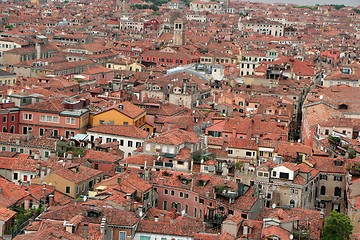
(126, 108)
(120, 130)
(78, 173)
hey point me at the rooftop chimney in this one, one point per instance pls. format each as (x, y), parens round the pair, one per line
(103, 226)
(29, 135)
(85, 230)
(38, 51)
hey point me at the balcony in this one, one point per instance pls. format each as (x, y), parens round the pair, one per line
(318, 137)
(336, 199)
(216, 219)
(225, 192)
(164, 164)
(355, 170)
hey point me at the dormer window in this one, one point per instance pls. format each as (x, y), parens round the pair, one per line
(75, 169)
(284, 175)
(343, 106)
(202, 182)
(338, 163)
(94, 213)
(346, 70)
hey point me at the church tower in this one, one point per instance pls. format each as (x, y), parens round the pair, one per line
(122, 6)
(125, 5)
(179, 32)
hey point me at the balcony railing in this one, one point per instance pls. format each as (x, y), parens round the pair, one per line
(217, 219)
(228, 193)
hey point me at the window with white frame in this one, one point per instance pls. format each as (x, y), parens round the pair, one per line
(69, 120)
(54, 119)
(28, 116)
(122, 235)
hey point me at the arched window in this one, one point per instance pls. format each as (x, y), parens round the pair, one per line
(195, 212)
(4, 129)
(186, 209)
(12, 129)
(292, 203)
(337, 192)
(173, 205)
(165, 205)
(322, 190)
(178, 207)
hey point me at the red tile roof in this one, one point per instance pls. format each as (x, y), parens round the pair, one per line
(126, 108)
(10, 193)
(120, 130)
(175, 137)
(275, 231)
(139, 160)
(82, 174)
(101, 156)
(6, 214)
(181, 226)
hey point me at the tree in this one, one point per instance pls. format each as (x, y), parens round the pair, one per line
(352, 152)
(337, 227)
(9, 27)
(154, 7)
(239, 166)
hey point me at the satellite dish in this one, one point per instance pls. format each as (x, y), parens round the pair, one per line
(274, 205)
(291, 236)
(321, 97)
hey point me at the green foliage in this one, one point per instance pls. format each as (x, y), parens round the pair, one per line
(197, 157)
(337, 227)
(356, 10)
(22, 216)
(9, 27)
(155, 13)
(352, 153)
(157, 2)
(334, 140)
(356, 167)
(187, 2)
(64, 147)
(140, 6)
(302, 235)
(338, 6)
(308, 7)
(145, 6)
(220, 188)
(154, 7)
(239, 166)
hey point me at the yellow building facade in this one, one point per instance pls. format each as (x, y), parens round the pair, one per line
(7, 78)
(124, 65)
(124, 113)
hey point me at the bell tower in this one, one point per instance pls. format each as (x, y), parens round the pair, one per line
(122, 6)
(179, 34)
